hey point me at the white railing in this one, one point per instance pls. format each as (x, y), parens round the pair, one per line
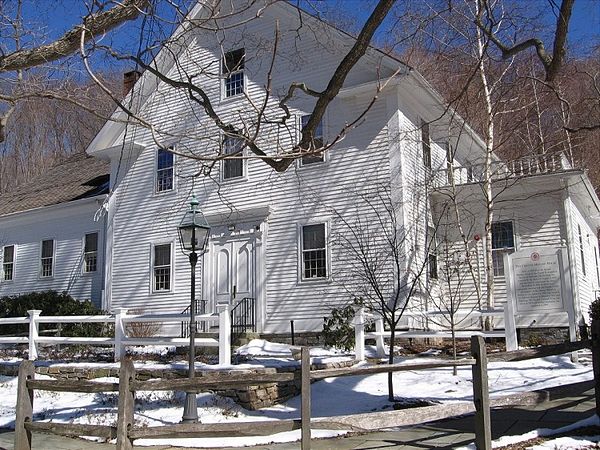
(380, 334)
(522, 167)
(120, 340)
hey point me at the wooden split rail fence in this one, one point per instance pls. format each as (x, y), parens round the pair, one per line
(125, 431)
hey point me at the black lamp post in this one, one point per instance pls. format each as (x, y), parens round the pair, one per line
(193, 236)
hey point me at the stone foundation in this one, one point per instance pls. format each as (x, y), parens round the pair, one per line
(250, 397)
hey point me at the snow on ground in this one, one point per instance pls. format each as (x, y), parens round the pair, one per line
(561, 443)
(334, 396)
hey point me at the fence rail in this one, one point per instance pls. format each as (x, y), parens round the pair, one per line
(120, 340)
(125, 431)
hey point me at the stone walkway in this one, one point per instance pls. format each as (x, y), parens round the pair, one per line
(566, 406)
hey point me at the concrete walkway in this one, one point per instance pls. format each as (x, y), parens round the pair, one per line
(566, 405)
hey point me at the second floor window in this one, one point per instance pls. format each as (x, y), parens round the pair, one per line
(317, 142)
(8, 262)
(503, 242)
(232, 68)
(314, 252)
(426, 143)
(164, 170)
(90, 253)
(47, 259)
(161, 262)
(233, 168)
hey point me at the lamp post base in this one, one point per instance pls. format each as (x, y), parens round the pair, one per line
(190, 408)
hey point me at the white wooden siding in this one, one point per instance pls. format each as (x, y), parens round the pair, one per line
(67, 225)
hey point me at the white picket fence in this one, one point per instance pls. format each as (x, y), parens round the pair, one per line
(362, 317)
(120, 340)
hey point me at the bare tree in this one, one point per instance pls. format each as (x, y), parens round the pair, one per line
(385, 259)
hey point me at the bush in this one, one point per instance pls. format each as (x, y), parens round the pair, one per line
(51, 303)
(595, 309)
(338, 330)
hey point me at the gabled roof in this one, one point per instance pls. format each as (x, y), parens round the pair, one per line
(79, 176)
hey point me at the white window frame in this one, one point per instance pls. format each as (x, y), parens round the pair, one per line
(301, 251)
(500, 251)
(171, 266)
(13, 264)
(244, 161)
(324, 154)
(84, 260)
(226, 77)
(53, 259)
(173, 171)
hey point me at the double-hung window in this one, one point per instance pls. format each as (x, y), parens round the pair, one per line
(314, 252)
(165, 170)
(47, 259)
(316, 142)
(161, 268)
(234, 167)
(426, 143)
(232, 68)
(8, 262)
(503, 242)
(90, 253)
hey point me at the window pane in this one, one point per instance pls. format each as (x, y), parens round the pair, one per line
(162, 255)
(502, 235)
(233, 61)
(90, 253)
(313, 236)
(315, 264)
(317, 142)
(91, 242)
(233, 168)
(164, 170)
(426, 143)
(47, 248)
(9, 254)
(8, 262)
(164, 159)
(234, 84)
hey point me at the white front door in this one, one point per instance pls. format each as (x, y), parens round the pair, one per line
(233, 269)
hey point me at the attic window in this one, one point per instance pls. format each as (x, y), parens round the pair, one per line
(232, 67)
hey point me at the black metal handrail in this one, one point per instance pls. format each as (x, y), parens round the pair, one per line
(185, 324)
(243, 318)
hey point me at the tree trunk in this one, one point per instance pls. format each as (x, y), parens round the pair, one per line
(391, 361)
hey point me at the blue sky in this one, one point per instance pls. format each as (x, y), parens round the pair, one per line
(54, 17)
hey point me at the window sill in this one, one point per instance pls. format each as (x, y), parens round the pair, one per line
(235, 180)
(164, 193)
(159, 293)
(312, 281)
(225, 100)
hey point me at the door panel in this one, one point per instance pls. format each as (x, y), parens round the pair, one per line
(233, 270)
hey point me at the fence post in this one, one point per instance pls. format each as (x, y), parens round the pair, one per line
(359, 334)
(120, 334)
(305, 392)
(24, 411)
(379, 341)
(596, 361)
(34, 314)
(224, 333)
(126, 404)
(481, 396)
